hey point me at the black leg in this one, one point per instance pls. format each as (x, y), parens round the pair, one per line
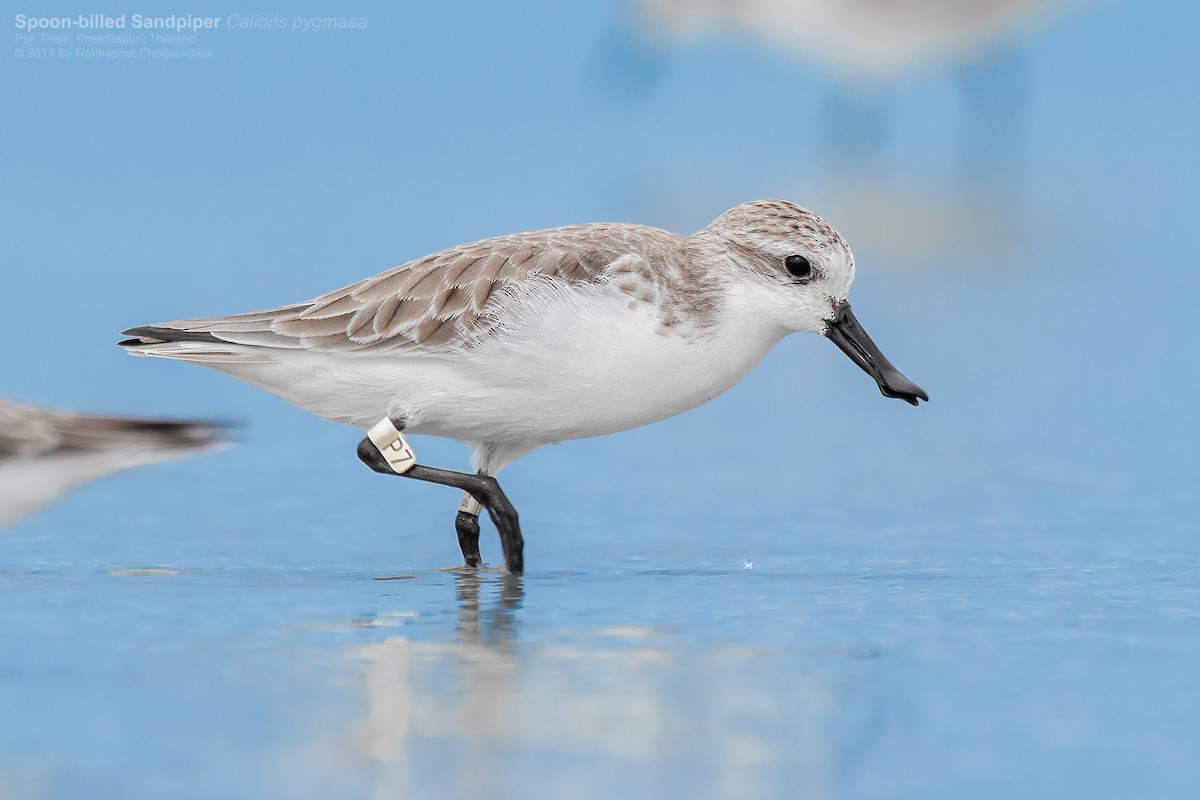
(483, 488)
(467, 526)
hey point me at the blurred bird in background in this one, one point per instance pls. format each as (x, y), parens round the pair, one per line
(45, 454)
(871, 50)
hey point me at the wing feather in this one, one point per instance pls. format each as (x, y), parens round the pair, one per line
(441, 302)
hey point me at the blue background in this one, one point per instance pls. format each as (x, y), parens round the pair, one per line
(799, 589)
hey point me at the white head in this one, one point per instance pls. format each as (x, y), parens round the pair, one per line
(799, 268)
(791, 269)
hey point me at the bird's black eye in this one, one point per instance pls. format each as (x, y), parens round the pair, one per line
(798, 267)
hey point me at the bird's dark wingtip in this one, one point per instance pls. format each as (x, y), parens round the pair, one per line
(154, 334)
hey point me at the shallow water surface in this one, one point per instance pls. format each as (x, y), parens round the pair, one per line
(869, 668)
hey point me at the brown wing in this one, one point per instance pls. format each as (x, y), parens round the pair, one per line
(27, 432)
(438, 302)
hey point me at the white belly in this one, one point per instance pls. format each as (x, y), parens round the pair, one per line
(579, 367)
(568, 365)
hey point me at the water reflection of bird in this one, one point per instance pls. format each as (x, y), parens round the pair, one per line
(606, 704)
(45, 454)
(464, 689)
(492, 626)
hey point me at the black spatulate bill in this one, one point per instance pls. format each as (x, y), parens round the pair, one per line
(846, 332)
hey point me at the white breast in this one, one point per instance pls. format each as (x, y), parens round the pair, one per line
(567, 363)
(574, 364)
